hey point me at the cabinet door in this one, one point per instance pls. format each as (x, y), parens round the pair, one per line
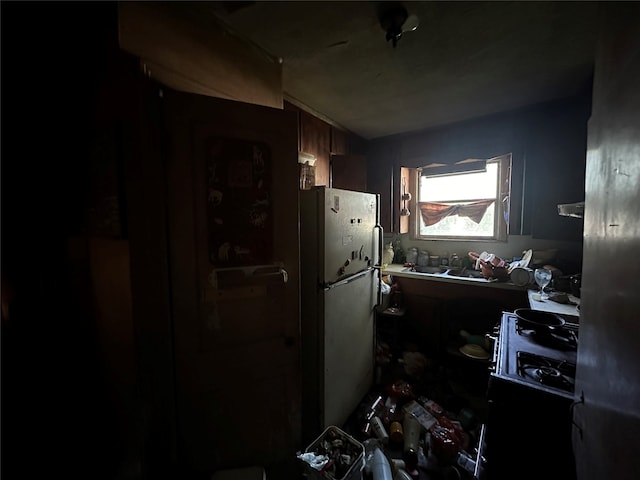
(339, 142)
(349, 172)
(236, 341)
(315, 138)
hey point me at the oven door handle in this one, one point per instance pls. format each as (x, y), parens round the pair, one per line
(494, 358)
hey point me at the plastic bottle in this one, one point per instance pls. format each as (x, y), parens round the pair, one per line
(380, 467)
(412, 429)
(379, 430)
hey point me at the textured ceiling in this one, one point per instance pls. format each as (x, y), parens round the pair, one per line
(466, 59)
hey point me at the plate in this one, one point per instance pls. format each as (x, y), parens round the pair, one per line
(474, 351)
(523, 262)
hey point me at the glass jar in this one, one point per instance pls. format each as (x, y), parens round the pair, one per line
(423, 258)
(412, 255)
(387, 254)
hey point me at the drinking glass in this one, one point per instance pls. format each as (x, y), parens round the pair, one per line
(543, 277)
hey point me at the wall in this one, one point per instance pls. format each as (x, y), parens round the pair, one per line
(548, 147)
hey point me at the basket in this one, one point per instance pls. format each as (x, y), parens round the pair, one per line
(338, 470)
(490, 271)
(491, 266)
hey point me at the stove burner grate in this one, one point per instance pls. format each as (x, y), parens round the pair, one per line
(563, 338)
(546, 371)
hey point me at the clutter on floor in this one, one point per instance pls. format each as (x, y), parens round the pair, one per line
(422, 421)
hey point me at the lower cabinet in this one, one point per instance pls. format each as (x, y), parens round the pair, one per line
(436, 312)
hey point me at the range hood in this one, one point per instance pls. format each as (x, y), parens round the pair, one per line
(571, 209)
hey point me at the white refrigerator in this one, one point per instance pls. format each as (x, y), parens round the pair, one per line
(340, 283)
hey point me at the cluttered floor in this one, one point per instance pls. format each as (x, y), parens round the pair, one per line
(422, 420)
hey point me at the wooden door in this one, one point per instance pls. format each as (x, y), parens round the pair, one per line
(606, 413)
(235, 333)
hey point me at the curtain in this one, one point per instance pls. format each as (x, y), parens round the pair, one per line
(432, 213)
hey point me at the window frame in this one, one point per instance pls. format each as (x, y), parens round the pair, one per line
(501, 227)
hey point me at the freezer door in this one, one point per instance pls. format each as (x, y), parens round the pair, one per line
(348, 346)
(349, 236)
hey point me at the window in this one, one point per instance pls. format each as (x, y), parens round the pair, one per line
(465, 201)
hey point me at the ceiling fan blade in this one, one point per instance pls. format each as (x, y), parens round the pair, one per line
(411, 23)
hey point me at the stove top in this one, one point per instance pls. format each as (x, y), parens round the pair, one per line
(541, 361)
(547, 371)
(564, 338)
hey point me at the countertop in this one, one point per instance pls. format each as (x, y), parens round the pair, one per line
(398, 270)
(554, 307)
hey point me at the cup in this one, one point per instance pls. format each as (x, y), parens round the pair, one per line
(522, 276)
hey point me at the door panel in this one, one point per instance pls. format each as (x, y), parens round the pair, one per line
(236, 335)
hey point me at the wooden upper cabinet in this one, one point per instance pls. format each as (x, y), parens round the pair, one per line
(339, 142)
(340, 160)
(315, 138)
(349, 172)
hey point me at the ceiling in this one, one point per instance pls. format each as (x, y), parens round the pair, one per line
(465, 59)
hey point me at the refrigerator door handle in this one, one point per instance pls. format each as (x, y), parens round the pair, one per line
(355, 276)
(379, 266)
(380, 243)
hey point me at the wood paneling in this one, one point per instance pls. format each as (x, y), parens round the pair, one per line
(150, 284)
(290, 107)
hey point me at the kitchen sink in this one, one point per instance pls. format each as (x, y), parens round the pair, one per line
(429, 269)
(446, 271)
(465, 273)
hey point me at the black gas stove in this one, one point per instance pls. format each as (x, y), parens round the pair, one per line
(543, 361)
(530, 391)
